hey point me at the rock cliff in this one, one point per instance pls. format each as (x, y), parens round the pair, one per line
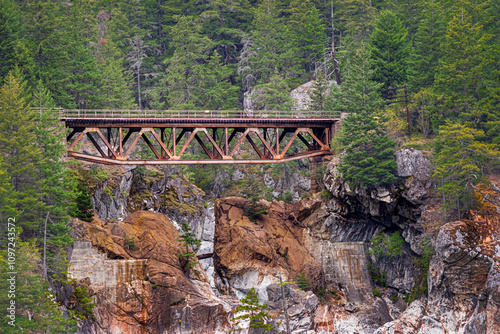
(357, 285)
(140, 284)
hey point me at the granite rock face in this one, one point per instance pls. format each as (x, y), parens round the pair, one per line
(254, 253)
(140, 283)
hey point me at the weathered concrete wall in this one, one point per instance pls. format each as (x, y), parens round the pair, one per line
(351, 262)
(103, 273)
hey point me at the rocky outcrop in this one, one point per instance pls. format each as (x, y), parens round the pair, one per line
(140, 283)
(300, 306)
(254, 253)
(464, 279)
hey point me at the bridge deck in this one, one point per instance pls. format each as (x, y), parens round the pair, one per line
(115, 134)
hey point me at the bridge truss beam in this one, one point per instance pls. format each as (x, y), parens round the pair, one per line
(272, 142)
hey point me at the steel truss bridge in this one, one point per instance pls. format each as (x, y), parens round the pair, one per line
(274, 136)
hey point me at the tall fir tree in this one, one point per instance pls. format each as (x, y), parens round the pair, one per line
(461, 158)
(462, 72)
(390, 50)
(368, 157)
(307, 36)
(10, 31)
(58, 181)
(266, 50)
(427, 47)
(185, 66)
(218, 92)
(36, 308)
(20, 155)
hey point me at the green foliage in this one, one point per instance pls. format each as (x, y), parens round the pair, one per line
(286, 197)
(11, 26)
(189, 240)
(253, 210)
(376, 293)
(19, 157)
(422, 262)
(427, 51)
(36, 308)
(390, 50)
(303, 282)
(378, 276)
(368, 153)
(85, 307)
(250, 310)
(461, 157)
(386, 245)
(83, 208)
(130, 243)
(320, 93)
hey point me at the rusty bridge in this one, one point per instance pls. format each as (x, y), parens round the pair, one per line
(273, 136)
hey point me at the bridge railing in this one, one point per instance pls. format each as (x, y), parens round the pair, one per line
(110, 113)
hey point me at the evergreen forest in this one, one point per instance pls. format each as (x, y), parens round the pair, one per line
(209, 55)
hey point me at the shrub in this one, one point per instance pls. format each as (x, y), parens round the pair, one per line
(376, 293)
(286, 197)
(378, 276)
(383, 245)
(189, 239)
(253, 312)
(303, 282)
(130, 243)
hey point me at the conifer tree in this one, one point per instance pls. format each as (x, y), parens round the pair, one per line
(368, 157)
(218, 92)
(83, 208)
(37, 310)
(20, 154)
(252, 311)
(185, 66)
(320, 94)
(274, 94)
(427, 47)
(461, 159)
(59, 183)
(267, 51)
(463, 70)
(307, 36)
(390, 50)
(10, 31)
(357, 17)
(189, 239)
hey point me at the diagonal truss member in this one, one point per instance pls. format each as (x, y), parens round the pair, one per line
(115, 143)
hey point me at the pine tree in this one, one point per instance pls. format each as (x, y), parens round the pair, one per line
(20, 155)
(37, 311)
(252, 312)
(218, 92)
(357, 17)
(266, 51)
(185, 66)
(10, 31)
(320, 94)
(303, 282)
(427, 47)
(390, 50)
(462, 71)
(189, 239)
(368, 157)
(461, 159)
(83, 208)
(59, 183)
(307, 36)
(274, 95)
